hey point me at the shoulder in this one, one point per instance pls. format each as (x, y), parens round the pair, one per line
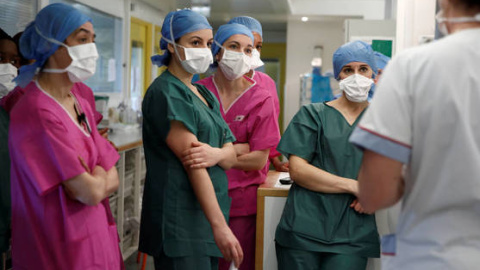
(310, 111)
(263, 77)
(167, 85)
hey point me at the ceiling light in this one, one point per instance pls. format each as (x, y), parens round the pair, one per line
(304, 19)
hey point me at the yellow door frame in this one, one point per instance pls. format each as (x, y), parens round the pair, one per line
(148, 50)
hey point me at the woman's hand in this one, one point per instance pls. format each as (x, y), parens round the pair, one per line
(201, 155)
(242, 148)
(228, 245)
(358, 207)
(279, 165)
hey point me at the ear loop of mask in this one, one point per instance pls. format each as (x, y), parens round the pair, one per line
(52, 40)
(442, 19)
(172, 40)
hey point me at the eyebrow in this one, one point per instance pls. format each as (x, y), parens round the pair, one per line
(233, 42)
(86, 31)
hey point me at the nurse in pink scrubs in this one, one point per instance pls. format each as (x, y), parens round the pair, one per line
(62, 169)
(262, 79)
(249, 111)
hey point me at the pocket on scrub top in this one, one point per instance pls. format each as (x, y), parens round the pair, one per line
(389, 245)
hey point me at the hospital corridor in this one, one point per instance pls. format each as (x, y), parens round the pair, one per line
(239, 134)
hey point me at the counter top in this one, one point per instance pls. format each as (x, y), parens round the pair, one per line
(126, 139)
(271, 187)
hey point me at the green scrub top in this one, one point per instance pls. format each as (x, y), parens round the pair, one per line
(4, 183)
(324, 222)
(172, 219)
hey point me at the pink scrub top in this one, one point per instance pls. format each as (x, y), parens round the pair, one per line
(50, 230)
(252, 119)
(268, 84)
(79, 89)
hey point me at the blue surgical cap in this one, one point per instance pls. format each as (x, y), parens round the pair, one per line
(249, 22)
(355, 51)
(56, 21)
(177, 24)
(225, 31)
(381, 60)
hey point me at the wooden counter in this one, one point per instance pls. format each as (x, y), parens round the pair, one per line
(271, 198)
(126, 139)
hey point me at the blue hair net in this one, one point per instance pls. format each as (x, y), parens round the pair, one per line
(381, 60)
(355, 51)
(249, 22)
(225, 31)
(56, 21)
(177, 24)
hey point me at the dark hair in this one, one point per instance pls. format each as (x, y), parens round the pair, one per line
(4, 35)
(16, 39)
(468, 4)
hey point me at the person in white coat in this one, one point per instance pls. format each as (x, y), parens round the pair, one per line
(425, 114)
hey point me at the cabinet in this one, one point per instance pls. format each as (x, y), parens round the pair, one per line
(125, 203)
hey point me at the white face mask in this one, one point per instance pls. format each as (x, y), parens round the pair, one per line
(356, 87)
(197, 60)
(7, 73)
(83, 65)
(234, 64)
(84, 60)
(256, 61)
(441, 21)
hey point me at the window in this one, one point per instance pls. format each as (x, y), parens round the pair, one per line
(109, 37)
(16, 15)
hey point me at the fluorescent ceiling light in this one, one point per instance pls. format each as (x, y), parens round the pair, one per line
(304, 19)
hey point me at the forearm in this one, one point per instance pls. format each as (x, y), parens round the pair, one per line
(252, 161)
(380, 181)
(228, 156)
(315, 179)
(87, 188)
(112, 181)
(205, 193)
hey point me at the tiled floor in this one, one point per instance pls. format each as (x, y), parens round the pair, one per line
(131, 263)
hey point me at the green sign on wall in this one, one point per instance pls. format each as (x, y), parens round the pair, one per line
(383, 46)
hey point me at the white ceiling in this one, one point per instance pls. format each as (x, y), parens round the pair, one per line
(274, 14)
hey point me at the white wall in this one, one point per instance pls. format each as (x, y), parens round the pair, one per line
(368, 9)
(414, 20)
(301, 39)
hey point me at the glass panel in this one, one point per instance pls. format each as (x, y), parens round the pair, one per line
(15, 15)
(109, 38)
(272, 69)
(137, 73)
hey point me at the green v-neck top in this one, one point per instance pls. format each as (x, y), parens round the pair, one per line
(172, 219)
(324, 222)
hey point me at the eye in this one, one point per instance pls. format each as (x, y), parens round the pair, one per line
(259, 47)
(195, 43)
(347, 70)
(233, 46)
(364, 69)
(209, 44)
(248, 51)
(83, 40)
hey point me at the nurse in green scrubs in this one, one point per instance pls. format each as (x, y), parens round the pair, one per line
(185, 209)
(323, 226)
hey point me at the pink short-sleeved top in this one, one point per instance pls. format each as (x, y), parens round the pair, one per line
(252, 119)
(79, 89)
(268, 84)
(50, 230)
